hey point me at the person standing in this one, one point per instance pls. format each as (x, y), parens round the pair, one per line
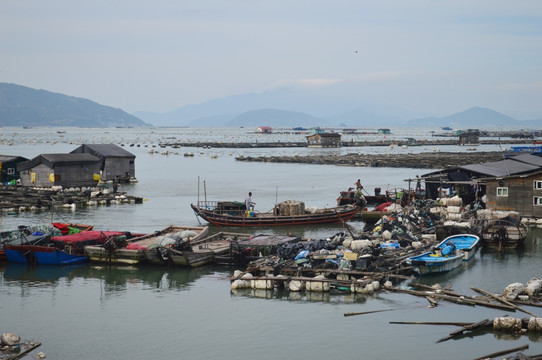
(358, 184)
(249, 204)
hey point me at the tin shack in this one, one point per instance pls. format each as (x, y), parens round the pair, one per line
(116, 163)
(66, 170)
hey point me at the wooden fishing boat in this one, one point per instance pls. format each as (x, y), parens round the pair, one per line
(504, 233)
(447, 255)
(246, 248)
(60, 250)
(202, 252)
(235, 214)
(144, 247)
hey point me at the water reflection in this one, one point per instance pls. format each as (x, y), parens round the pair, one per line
(333, 297)
(114, 279)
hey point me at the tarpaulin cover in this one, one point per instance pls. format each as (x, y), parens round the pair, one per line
(92, 237)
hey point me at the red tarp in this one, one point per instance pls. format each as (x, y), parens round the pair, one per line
(99, 237)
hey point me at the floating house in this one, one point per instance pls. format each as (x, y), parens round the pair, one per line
(66, 170)
(384, 131)
(116, 163)
(512, 184)
(8, 167)
(265, 130)
(469, 137)
(324, 140)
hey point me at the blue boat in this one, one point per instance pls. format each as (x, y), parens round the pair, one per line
(61, 250)
(447, 255)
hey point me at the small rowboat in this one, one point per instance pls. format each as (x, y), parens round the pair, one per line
(447, 255)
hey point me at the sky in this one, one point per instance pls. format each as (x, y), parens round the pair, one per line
(431, 57)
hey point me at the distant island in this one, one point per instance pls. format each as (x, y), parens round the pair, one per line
(24, 106)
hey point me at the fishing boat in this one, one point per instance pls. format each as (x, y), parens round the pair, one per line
(31, 234)
(503, 233)
(231, 213)
(146, 247)
(245, 248)
(447, 255)
(60, 250)
(202, 252)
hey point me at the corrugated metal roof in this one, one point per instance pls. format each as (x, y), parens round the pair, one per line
(106, 150)
(528, 159)
(8, 158)
(58, 159)
(501, 168)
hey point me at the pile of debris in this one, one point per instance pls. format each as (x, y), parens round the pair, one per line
(12, 347)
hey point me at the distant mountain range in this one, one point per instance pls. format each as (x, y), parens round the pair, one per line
(23, 106)
(289, 108)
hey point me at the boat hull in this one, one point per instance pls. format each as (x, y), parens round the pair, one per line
(333, 215)
(143, 254)
(430, 262)
(33, 254)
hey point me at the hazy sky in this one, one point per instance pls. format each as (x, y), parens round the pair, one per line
(435, 57)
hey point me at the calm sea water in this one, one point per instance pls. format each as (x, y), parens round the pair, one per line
(96, 311)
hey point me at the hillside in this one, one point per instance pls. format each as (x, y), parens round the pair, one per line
(24, 106)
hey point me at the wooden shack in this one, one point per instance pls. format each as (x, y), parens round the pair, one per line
(8, 167)
(116, 163)
(522, 193)
(324, 140)
(66, 170)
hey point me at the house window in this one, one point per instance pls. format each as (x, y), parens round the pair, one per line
(11, 171)
(537, 200)
(537, 185)
(502, 191)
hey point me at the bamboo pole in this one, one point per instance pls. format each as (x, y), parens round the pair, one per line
(498, 298)
(479, 324)
(430, 323)
(504, 352)
(366, 312)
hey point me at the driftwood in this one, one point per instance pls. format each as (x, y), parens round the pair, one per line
(504, 352)
(483, 323)
(463, 300)
(498, 298)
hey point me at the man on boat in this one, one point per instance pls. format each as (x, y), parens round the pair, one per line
(249, 203)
